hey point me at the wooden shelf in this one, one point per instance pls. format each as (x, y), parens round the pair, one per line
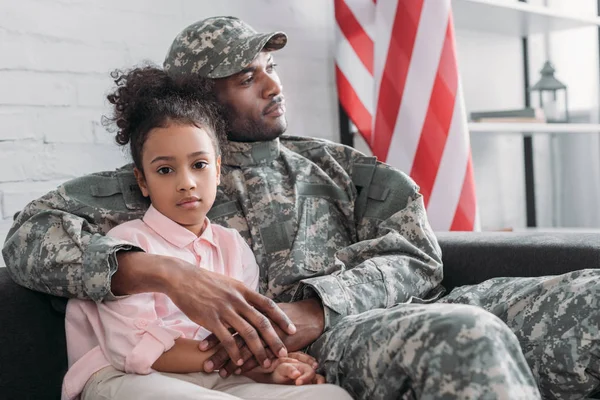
(514, 18)
(531, 128)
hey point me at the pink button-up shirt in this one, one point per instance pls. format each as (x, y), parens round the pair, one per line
(132, 332)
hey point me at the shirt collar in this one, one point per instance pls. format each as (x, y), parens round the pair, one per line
(245, 154)
(174, 233)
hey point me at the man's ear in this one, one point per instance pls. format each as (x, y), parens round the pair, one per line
(218, 162)
(141, 181)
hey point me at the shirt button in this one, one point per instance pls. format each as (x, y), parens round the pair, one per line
(141, 323)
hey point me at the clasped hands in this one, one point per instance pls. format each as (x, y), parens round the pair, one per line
(307, 316)
(250, 329)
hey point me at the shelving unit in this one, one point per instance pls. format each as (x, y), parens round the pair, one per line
(514, 18)
(519, 19)
(531, 128)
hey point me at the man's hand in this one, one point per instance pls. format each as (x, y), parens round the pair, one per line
(307, 316)
(212, 300)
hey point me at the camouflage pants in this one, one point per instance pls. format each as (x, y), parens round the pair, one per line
(502, 339)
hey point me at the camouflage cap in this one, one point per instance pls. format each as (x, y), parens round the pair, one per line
(218, 47)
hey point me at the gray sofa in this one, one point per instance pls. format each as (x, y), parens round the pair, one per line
(32, 342)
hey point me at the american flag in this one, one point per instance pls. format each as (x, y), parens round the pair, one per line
(397, 80)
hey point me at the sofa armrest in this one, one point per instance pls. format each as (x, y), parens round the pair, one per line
(33, 355)
(473, 257)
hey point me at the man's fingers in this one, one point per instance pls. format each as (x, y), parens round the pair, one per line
(212, 340)
(229, 343)
(230, 368)
(267, 333)
(252, 338)
(249, 365)
(319, 379)
(216, 361)
(270, 354)
(221, 357)
(269, 308)
(208, 343)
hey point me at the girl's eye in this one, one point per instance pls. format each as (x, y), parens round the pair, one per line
(271, 67)
(200, 165)
(164, 170)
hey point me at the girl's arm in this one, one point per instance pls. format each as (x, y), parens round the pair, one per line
(184, 357)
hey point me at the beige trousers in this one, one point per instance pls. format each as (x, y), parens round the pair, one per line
(111, 384)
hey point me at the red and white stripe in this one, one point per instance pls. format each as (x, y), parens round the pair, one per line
(397, 79)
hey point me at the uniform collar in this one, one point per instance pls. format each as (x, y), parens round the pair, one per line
(245, 154)
(174, 233)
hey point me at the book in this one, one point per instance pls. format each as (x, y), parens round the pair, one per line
(513, 119)
(520, 115)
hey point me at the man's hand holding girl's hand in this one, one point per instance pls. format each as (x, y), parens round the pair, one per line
(306, 315)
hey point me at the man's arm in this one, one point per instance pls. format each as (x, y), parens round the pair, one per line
(57, 245)
(397, 257)
(52, 250)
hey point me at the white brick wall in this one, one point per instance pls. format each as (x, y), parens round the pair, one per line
(55, 59)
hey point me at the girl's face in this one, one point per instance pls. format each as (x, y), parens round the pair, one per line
(181, 173)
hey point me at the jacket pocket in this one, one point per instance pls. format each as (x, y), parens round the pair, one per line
(323, 229)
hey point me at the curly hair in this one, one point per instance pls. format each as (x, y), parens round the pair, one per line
(146, 98)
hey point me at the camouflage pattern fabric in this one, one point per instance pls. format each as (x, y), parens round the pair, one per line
(557, 322)
(57, 244)
(324, 220)
(311, 231)
(425, 351)
(218, 47)
(452, 349)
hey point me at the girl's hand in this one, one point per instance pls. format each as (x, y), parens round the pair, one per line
(291, 371)
(253, 366)
(304, 358)
(295, 373)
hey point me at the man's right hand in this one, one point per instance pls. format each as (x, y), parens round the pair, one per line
(214, 301)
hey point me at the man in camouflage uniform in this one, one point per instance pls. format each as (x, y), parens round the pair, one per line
(344, 247)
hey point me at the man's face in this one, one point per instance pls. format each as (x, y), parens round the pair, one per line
(253, 100)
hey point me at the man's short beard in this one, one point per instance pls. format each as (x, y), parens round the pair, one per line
(252, 131)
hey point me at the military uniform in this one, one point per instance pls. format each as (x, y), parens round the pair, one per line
(324, 220)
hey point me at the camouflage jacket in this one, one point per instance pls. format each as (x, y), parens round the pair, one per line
(322, 219)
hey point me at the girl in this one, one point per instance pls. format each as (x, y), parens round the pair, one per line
(143, 346)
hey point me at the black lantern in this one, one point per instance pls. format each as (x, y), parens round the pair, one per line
(553, 95)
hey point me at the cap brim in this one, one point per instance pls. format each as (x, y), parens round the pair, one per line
(246, 51)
